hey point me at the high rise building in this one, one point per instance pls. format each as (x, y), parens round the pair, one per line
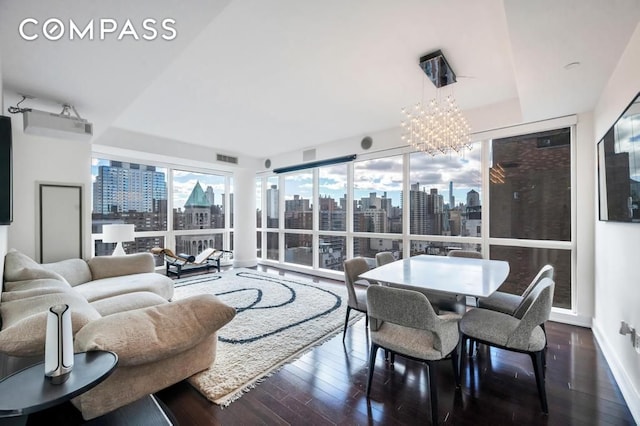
(452, 199)
(273, 207)
(128, 187)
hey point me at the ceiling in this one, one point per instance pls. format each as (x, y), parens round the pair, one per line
(263, 77)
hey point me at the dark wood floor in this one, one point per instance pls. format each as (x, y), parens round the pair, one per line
(327, 386)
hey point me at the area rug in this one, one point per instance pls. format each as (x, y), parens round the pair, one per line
(278, 319)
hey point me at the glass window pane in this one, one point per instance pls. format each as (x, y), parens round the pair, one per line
(377, 195)
(128, 193)
(259, 245)
(368, 247)
(194, 244)
(140, 245)
(445, 193)
(524, 264)
(273, 202)
(332, 183)
(198, 200)
(440, 248)
(230, 203)
(298, 248)
(332, 252)
(272, 246)
(259, 202)
(297, 201)
(530, 186)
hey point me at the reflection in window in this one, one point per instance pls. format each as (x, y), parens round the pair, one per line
(445, 193)
(530, 186)
(524, 264)
(377, 195)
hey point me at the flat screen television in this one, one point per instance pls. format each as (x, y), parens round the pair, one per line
(6, 172)
(619, 168)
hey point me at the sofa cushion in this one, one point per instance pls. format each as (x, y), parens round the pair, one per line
(114, 266)
(31, 288)
(75, 271)
(127, 302)
(20, 267)
(43, 283)
(24, 321)
(108, 287)
(147, 335)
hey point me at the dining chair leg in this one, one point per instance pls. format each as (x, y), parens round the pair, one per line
(366, 320)
(456, 364)
(346, 323)
(372, 363)
(538, 368)
(433, 390)
(461, 355)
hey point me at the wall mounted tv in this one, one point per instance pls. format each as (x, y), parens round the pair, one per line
(619, 168)
(6, 182)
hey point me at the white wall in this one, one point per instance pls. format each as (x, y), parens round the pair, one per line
(617, 288)
(39, 159)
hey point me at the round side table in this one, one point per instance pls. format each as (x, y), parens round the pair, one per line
(28, 391)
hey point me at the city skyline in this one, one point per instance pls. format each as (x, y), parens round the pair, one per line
(183, 182)
(385, 174)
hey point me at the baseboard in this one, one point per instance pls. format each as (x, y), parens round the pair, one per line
(566, 317)
(629, 391)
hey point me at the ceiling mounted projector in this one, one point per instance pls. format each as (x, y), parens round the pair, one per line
(63, 126)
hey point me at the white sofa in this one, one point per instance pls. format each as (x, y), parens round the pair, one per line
(118, 303)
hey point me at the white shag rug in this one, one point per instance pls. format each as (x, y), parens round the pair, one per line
(278, 319)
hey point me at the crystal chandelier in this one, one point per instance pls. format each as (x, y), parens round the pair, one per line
(438, 126)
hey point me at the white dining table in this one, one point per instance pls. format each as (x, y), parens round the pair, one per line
(454, 275)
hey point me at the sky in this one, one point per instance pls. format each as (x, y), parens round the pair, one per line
(379, 175)
(385, 174)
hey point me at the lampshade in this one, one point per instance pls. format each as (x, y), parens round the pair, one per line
(117, 233)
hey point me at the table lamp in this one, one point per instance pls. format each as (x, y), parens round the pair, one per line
(117, 233)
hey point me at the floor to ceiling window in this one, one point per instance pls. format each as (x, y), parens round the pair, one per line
(530, 208)
(187, 211)
(445, 200)
(509, 198)
(377, 206)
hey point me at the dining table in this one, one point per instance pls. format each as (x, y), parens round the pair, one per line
(453, 275)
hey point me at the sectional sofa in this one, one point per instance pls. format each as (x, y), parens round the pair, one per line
(118, 303)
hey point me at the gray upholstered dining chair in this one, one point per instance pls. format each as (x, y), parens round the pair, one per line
(384, 257)
(515, 333)
(404, 323)
(356, 295)
(508, 303)
(465, 253)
